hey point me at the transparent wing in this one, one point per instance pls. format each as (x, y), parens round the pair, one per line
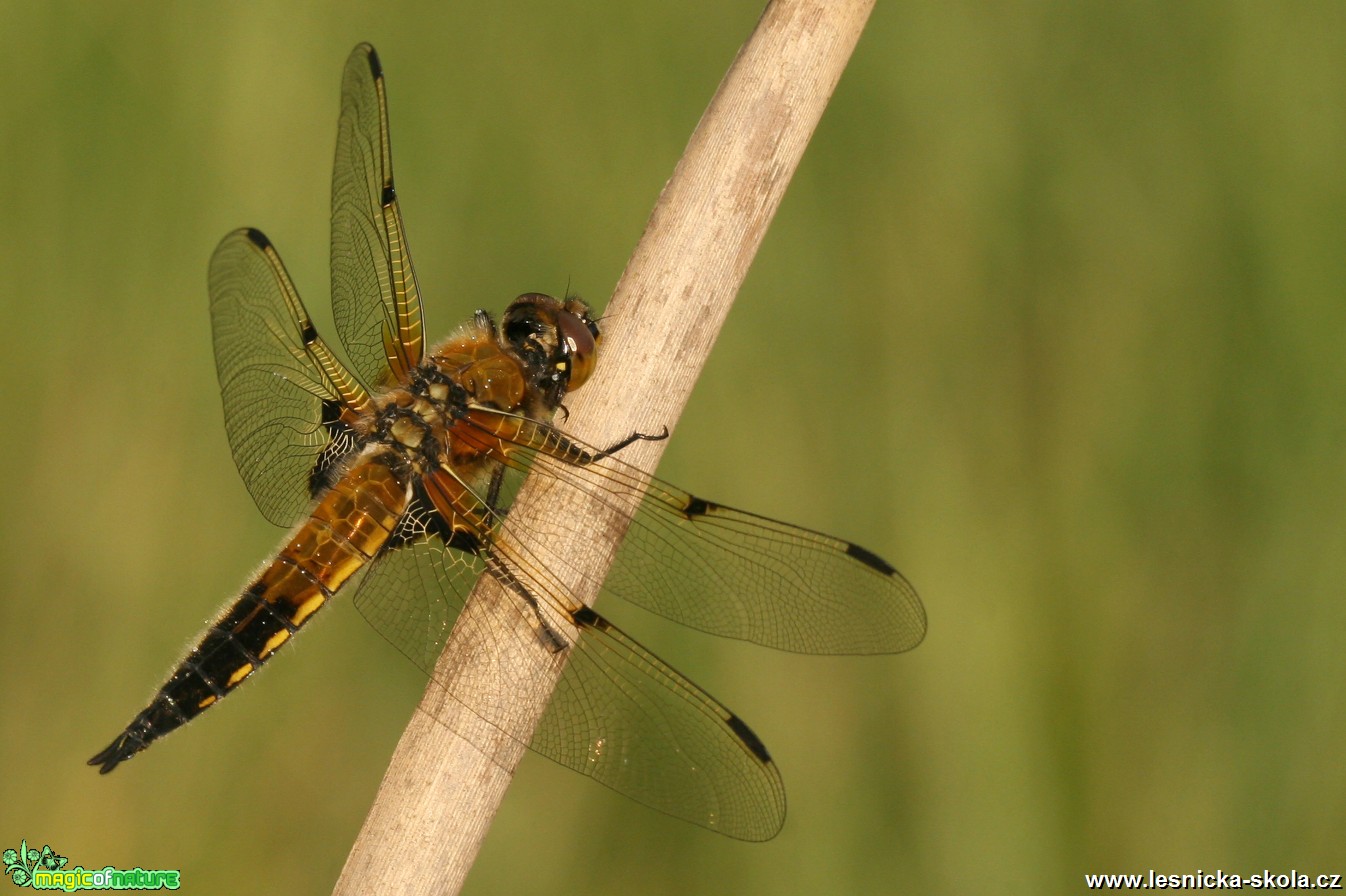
(633, 723)
(374, 296)
(288, 402)
(619, 714)
(725, 571)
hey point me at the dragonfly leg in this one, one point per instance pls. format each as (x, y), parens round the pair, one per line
(493, 492)
(551, 639)
(629, 440)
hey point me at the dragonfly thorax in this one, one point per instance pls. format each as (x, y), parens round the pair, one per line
(544, 348)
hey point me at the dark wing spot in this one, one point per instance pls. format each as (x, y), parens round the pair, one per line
(257, 238)
(584, 617)
(389, 195)
(341, 441)
(750, 740)
(464, 541)
(870, 559)
(420, 521)
(375, 67)
(698, 506)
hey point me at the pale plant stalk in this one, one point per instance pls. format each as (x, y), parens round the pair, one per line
(447, 778)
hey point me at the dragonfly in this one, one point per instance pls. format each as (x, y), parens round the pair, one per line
(395, 472)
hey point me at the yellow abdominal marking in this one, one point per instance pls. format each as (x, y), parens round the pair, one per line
(240, 673)
(275, 641)
(306, 609)
(206, 701)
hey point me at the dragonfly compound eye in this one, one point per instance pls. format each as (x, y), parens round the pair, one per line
(578, 348)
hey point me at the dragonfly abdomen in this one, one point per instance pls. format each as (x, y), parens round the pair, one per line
(349, 525)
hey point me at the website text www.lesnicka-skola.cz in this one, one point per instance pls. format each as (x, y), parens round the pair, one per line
(1214, 880)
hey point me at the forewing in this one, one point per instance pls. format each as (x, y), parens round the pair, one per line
(729, 572)
(619, 714)
(374, 296)
(288, 403)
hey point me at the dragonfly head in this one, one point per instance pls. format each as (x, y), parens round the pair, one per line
(556, 341)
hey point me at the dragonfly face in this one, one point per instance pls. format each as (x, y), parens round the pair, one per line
(396, 474)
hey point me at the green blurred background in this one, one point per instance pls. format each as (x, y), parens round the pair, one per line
(1052, 317)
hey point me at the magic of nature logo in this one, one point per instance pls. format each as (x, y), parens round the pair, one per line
(46, 870)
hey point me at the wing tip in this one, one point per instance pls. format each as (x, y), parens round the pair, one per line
(870, 559)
